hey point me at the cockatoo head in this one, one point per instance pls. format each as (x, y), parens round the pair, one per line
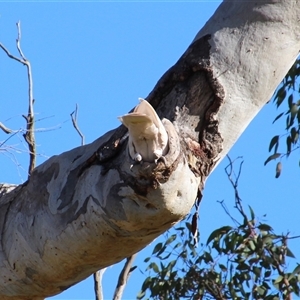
(148, 138)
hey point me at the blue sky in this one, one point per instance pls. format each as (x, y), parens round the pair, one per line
(103, 56)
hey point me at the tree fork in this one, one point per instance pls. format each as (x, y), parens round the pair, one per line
(93, 206)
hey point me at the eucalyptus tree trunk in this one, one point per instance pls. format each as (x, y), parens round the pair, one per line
(95, 205)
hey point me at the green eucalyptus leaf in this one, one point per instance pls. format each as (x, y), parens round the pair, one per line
(157, 248)
(147, 259)
(223, 268)
(154, 267)
(252, 245)
(288, 145)
(278, 117)
(133, 268)
(298, 116)
(278, 279)
(294, 111)
(280, 95)
(272, 157)
(288, 122)
(278, 169)
(273, 142)
(261, 290)
(294, 135)
(218, 232)
(290, 101)
(264, 227)
(252, 214)
(289, 253)
(296, 270)
(170, 239)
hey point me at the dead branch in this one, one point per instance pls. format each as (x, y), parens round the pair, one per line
(5, 129)
(10, 55)
(234, 182)
(74, 121)
(98, 284)
(2, 143)
(29, 134)
(19, 41)
(123, 277)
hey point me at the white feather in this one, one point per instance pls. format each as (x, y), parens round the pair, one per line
(148, 138)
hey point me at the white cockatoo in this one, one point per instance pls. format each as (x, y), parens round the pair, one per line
(148, 139)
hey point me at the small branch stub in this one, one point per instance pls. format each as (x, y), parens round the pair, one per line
(74, 115)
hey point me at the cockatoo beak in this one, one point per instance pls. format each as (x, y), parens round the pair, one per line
(148, 138)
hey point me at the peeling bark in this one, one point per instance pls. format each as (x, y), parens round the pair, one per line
(93, 206)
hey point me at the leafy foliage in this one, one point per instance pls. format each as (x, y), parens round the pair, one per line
(288, 92)
(244, 261)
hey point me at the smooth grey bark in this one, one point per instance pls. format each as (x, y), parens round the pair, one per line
(253, 45)
(94, 206)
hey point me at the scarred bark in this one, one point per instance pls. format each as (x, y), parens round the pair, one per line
(93, 206)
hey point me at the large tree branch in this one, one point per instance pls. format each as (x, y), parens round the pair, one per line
(94, 205)
(101, 213)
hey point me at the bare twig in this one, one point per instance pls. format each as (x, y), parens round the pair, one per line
(74, 121)
(293, 237)
(19, 41)
(123, 277)
(98, 284)
(10, 55)
(5, 129)
(29, 135)
(237, 223)
(234, 182)
(238, 201)
(2, 143)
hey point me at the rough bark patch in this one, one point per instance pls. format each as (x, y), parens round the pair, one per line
(189, 96)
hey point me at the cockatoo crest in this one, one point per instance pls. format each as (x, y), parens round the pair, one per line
(148, 139)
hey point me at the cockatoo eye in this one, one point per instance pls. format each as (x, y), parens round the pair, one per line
(138, 157)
